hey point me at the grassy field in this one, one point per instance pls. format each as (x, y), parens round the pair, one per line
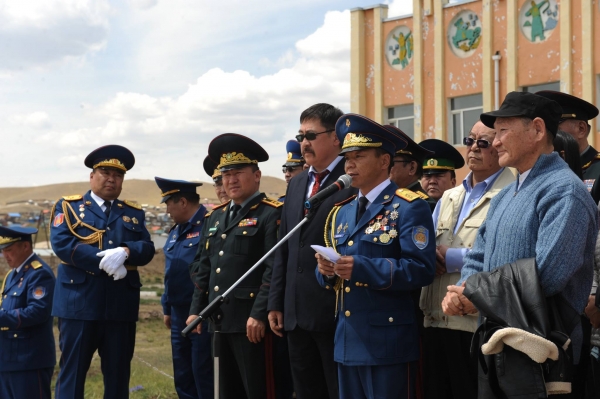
(151, 367)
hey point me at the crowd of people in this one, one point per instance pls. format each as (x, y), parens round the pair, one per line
(403, 285)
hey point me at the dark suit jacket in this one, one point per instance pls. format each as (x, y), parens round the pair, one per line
(294, 288)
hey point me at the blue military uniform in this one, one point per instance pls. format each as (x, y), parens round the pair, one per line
(294, 159)
(192, 362)
(96, 311)
(393, 250)
(27, 349)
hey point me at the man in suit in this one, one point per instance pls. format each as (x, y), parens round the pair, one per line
(192, 362)
(101, 241)
(385, 242)
(27, 342)
(235, 236)
(297, 305)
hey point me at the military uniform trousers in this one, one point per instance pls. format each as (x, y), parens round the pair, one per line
(115, 341)
(393, 381)
(192, 360)
(26, 384)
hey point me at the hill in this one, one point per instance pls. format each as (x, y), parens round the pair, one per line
(141, 191)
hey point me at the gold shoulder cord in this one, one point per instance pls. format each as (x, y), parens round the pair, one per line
(329, 242)
(95, 237)
(3, 285)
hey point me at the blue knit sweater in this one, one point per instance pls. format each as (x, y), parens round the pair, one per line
(551, 217)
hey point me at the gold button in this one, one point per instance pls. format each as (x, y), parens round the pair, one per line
(391, 319)
(350, 243)
(374, 239)
(347, 289)
(347, 313)
(218, 270)
(223, 235)
(110, 241)
(327, 287)
(366, 285)
(16, 335)
(245, 232)
(252, 295)
(220, 253)
(216, 288)
(357, 284)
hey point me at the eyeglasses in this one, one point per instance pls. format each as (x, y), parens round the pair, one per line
(310, 136)
(290, 169)
(468, 141)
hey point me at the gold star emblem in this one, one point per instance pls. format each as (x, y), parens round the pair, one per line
(347, 122)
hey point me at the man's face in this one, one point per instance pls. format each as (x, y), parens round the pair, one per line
(576, 128)
(366, 168)
(323, 149)
(220, 191)
(404, 171)
(435, 184)
(291, 171)
(16, 254)
(241, 184)
(515, 141)
(107, 183)
(484, 160)
(176, 210)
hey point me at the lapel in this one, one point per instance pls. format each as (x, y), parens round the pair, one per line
(13, 279)
(116, 211)
(301, 184)
(244, 211)
(386, 196)
(93, 207)
(198, 217)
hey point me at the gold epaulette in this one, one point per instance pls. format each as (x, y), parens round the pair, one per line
(133, 204)
(345, 201)
(36, 264)
(72, 197)
(422, 195)
(215, 208)
(407, 194)
(272, 202)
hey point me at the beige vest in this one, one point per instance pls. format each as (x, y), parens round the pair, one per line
(432, 295)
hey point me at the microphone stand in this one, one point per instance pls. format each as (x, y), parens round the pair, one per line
(211, 310)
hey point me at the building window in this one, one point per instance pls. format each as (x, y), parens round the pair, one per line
(555, 86)
(403, 118)
(465, 112)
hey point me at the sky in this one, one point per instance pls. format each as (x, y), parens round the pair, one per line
(162, 78)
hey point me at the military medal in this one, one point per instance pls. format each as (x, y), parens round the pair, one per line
(393, 231)
(88, 203)
(369, 230)
(126, 219)
(384, 238)
(346, 227)
(134, 220)
(339, 229)
(82, 215)
(216, 223)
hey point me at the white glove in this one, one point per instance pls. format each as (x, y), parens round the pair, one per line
(112, 259)
(120, 273)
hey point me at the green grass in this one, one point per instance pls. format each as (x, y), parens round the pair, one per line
(151, 359)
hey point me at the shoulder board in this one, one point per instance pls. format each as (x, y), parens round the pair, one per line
(72, 197)
(422, 195)
(215, 208)
(272, 202)
(406, 194)
(345, 201)
(133, 204)
(36, 264)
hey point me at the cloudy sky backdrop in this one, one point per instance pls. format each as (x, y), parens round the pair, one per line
(163, 77)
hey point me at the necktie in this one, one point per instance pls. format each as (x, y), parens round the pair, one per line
(362, 207)
(317, 184)
(107, 204)
(234, 211)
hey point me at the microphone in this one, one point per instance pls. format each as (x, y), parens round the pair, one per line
(342, 182)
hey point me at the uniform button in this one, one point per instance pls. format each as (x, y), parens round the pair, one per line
(366, 285)
(357, 284)
(71, 281)
(391, 319)
(218, 270)
(14, 293)
(347, 289)
(350, 243)
(191, 244)
(216, 288)
(347, 313)
(220, 253)
(109, 241)
(252, 295)
(245, 232)
(223, 235)
(16, 335)
(300, 270)
(197, 222)
(327, 287)
(374, 239)
(107, 228)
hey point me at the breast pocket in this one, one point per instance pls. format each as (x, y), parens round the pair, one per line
(15, 345)
(442, 227)
(245, 238)
(15, 298)
(191, 244)
(131, 230)
(378, 245)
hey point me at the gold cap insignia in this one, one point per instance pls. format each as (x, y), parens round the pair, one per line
(170, 192)
(111, 163)
(358, 140)
(432, 162)
(347, 122)
(234, 158)
(8, 240)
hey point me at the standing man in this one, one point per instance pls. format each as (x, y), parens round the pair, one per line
(438, 171)
(101, 241)
(574, 120)
(408, 166)
(385, 242)
(27, 341)
(235, 236)
(296, 302)
(294, 163)
(449, 370)
(210, 167)
(192, 361)
(546, 214)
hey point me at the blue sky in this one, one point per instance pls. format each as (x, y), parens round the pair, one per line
(163, 77)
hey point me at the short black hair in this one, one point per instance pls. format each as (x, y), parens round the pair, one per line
(380, 151)
(192, 198)
(327, 114)
(406, 157)
(568, 149)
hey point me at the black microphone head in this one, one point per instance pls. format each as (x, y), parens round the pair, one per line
(345, 181)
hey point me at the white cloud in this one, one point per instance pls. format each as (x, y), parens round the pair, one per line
(36, 120)
(34, 33)
(143, 4)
